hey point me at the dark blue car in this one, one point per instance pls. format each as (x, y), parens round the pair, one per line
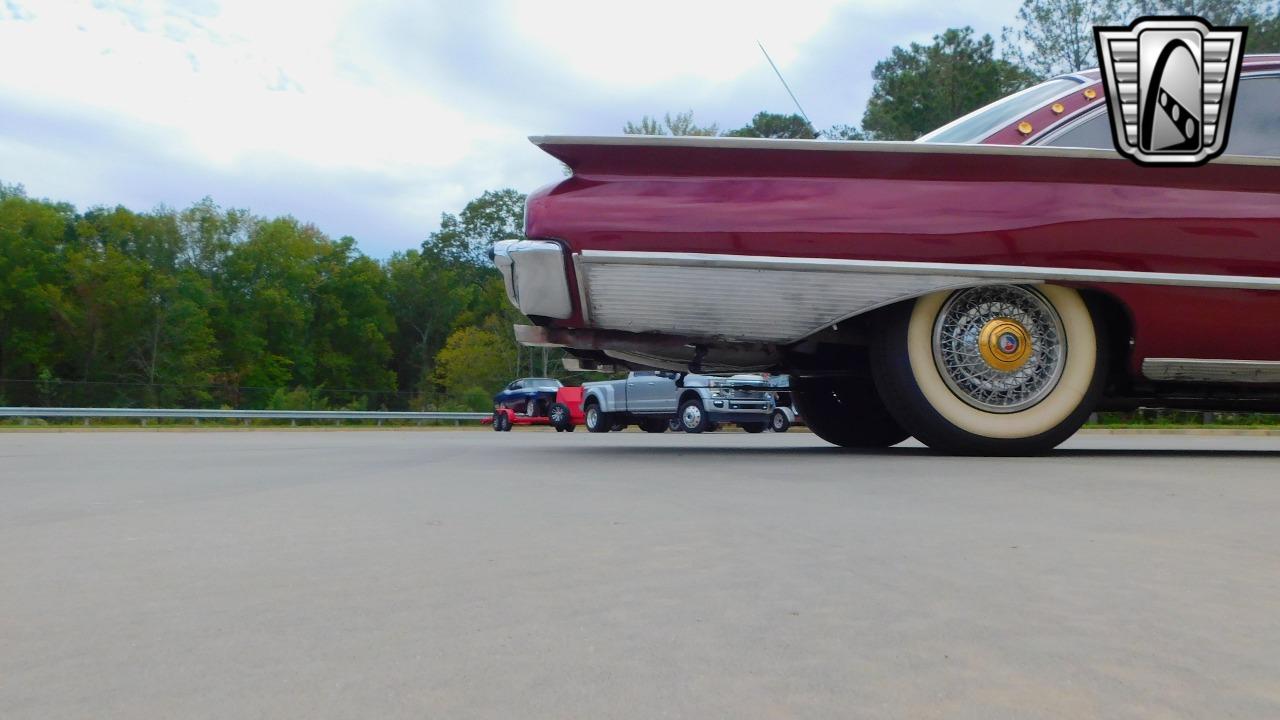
(528, 396)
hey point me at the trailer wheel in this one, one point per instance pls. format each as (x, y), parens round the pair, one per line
(673, 424)
(992, 370)
(779, 422)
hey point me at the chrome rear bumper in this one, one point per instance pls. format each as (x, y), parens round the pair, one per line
(534, 274)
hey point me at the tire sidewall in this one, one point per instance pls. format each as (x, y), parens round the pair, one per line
(702, 425)
(905, 368)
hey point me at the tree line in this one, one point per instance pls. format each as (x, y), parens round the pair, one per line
(209, 307)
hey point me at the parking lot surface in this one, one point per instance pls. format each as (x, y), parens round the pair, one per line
(540, 575)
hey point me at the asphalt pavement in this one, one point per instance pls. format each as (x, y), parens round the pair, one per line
(439, 574)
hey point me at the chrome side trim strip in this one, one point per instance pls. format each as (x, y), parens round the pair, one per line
(1217, 371)
(966, 270)
(896, 146)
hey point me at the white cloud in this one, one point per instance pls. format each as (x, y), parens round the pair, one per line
(371, 117)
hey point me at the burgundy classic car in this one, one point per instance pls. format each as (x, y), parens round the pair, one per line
(983, 289)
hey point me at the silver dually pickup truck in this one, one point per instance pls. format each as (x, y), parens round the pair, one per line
(657, 400)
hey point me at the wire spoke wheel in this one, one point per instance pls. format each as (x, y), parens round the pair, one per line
(1001, 348)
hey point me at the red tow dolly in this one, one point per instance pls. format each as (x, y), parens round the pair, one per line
(564, 414)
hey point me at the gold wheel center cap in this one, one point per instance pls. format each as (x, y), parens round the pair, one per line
(1005, 344)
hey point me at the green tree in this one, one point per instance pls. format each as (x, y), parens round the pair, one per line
(922, 87)
(843, 132)
(1053, 37)
(1262, 18)
(352, 324)
(680, 124)
(775, 125)
(32, 283)
(474, 358)
(465, 238)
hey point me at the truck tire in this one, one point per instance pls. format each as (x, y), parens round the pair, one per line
(673, 424)
(596, 420)
(693, 416)
(847, 412)
(992, 370)
(560, 416)
(779, 422)
(752, 428)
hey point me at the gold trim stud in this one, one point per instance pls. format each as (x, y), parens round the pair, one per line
(1090, 94)
(1057, 108)
(1024, 127)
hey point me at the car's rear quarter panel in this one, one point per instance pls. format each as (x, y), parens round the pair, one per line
(1033, 208)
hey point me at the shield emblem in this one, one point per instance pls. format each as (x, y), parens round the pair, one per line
(1170, 86)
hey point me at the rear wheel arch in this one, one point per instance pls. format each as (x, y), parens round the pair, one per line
(1118, 333)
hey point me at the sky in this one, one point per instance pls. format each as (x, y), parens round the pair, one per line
(370, 118)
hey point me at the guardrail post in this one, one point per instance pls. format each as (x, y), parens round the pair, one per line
(144, 422)
(86, 422)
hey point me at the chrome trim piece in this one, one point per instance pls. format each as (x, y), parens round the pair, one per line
(534, 276)
(955, 271)
(864, 146)
(740, 304)
(1215, 371)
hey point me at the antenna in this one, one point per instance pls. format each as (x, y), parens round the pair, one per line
(783, 80)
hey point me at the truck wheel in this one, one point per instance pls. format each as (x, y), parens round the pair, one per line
(693, 417)
(846, 412)
(597, 421)
(497, 423)
(993, 370)
(752, 428)
(674, 425)
(617, 427)
(653, 426)
(560, 417)
(779, 422)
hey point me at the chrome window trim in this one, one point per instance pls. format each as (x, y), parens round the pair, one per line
(1079, 79)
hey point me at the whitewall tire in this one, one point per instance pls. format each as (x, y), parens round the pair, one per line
(992, 370)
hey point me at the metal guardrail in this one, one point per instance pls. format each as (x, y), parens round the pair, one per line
(182, 413)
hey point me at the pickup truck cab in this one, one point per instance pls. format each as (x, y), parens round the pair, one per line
(695, 403)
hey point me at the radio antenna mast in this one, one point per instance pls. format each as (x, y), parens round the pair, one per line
(783, 80)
